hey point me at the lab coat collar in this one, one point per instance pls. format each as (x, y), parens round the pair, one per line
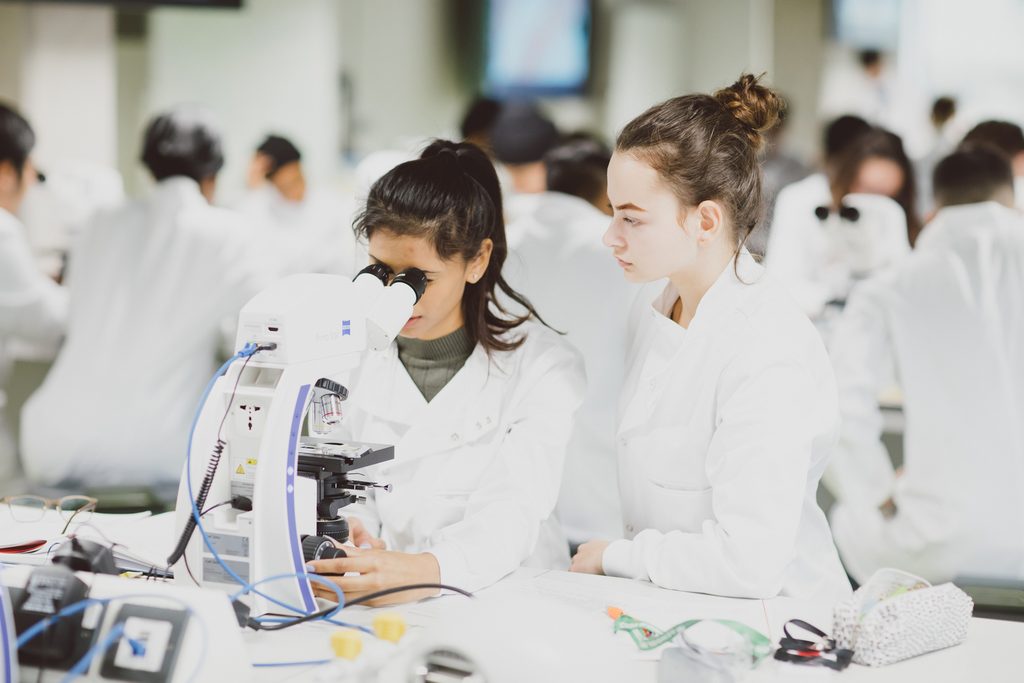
(954, 223)
(723, 294)
(723, 297)
(178, 188)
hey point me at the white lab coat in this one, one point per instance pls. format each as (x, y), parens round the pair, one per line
(950, 321)
(150, 285)
(556, 259)
(725, 430)
(311, 236)
(33, 308)
(819, 261)
(477, 469)
(56, 212)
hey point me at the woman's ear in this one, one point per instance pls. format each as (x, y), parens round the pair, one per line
(712, 220)
(478, 264)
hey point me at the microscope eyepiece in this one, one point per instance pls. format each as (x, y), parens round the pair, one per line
(415, 278)
(378, 270)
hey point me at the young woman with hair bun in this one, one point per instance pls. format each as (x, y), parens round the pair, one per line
(729, 410)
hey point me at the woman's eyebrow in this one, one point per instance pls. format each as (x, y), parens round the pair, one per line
(624, 207)
(377, 260)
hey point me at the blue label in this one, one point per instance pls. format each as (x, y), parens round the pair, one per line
(346, 328)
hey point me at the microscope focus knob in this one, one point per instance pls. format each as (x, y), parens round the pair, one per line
(320, 548)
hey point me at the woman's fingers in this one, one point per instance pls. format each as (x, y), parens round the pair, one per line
(357, 561)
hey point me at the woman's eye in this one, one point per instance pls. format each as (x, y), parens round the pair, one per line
(629, 221)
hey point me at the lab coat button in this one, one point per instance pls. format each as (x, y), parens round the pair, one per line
(629, 528)
(455, 437)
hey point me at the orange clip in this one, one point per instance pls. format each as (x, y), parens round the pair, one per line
(614, 612)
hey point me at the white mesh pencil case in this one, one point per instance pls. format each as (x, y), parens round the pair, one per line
(896, 615)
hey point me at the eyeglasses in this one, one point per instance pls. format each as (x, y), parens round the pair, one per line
(27, 508)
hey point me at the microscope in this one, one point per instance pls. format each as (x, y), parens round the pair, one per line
(270, 493)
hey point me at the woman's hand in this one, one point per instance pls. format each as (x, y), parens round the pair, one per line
(587, 559)
(360, 537)
(377, 570)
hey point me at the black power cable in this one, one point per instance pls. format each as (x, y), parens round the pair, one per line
(313, 616)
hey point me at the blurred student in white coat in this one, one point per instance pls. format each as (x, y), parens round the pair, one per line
(1009, 139)
(729, 412)
(478, 403)
(803, 251)
(949, 322)
(32, 307)
(298, 229)
(151, 284)
(557, 260)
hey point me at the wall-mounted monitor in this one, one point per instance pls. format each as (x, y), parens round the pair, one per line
(537, 47)
(132, 4)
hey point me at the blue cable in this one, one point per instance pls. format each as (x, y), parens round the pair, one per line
(251, 588)
(315, 579)
(82, 665)
(334, 622)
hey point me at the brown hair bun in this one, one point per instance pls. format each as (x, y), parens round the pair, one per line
(755, 106)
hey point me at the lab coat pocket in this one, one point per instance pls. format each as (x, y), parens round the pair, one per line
(673, 457)
(680, 509)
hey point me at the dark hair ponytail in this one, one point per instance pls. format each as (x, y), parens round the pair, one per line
(451, 196)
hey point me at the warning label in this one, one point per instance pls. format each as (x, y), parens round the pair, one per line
(243, 476)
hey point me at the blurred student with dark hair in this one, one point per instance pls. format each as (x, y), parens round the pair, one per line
(1009, 139)
(295, 228)
(151, 284)
(557, 260)
(948, 322)
(579, 167)
(32, 307)
(520, 137)
(478, 120)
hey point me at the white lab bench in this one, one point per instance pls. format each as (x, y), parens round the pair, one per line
(544, 625)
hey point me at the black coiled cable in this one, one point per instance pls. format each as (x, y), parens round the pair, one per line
(204, 490)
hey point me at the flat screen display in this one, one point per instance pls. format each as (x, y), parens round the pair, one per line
(230, 4)
(537, 47)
